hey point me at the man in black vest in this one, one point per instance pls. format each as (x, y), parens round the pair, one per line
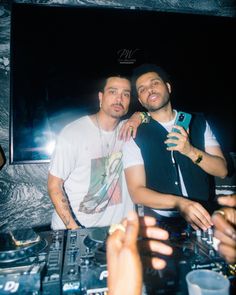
(171, 180)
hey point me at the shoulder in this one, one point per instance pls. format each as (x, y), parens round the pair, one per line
(73, 131)
(77, 122)
(75, 125)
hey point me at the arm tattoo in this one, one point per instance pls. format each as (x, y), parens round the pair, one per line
(64, 207)
(65, 219)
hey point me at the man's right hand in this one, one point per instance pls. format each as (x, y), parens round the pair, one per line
(195, 214)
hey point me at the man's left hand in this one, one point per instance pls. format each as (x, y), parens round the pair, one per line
(129, 128)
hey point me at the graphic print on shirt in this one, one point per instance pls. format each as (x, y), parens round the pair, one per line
(105, 184)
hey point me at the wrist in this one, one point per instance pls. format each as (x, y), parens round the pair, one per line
(177, 202)
(196, 156)
(72, 225)
(198, 159)
(144, 116)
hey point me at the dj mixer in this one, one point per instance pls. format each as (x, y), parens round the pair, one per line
(74, 262)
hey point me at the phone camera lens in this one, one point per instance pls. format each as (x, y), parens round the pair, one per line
(181, 117)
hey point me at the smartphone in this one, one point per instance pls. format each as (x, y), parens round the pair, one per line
(182, 119)
(25, 236)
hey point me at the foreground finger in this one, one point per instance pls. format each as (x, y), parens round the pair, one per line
(228, 214)
(147, 221)
(115, 240)
(224, 238)
(153, 262)
(229, 253)
(222, 225)
(132, 228)
(154, 232)
(227, 200)
(148, 246)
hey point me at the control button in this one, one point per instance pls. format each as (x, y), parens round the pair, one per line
(21, 253)
(54, 276)
(3, 255)
(71, 271)
(12, 254)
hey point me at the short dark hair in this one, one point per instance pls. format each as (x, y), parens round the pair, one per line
(146, 68)
(103, 81)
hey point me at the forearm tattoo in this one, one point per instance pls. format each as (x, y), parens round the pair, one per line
(63, 207)
(66, 219)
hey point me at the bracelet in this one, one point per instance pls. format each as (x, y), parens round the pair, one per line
(145, 117)
(199, 159)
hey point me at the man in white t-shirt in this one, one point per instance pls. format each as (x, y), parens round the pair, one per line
(169, 180)
(86, 181)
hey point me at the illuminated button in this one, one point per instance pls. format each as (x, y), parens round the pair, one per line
(2, 255)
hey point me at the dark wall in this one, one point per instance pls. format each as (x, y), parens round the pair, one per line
(23, 194)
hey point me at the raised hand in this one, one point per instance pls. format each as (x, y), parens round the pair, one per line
(123, 253)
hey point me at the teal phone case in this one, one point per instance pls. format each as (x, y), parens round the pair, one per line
(183, 119)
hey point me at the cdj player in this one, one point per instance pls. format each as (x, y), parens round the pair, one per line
(28, 269)
(74, 262)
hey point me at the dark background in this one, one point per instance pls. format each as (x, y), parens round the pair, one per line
(24, 198)
(58, 55)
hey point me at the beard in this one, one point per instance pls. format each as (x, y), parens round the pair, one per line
(154, 108)
(118, 114)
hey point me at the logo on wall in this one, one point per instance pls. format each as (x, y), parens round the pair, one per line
(127, 56)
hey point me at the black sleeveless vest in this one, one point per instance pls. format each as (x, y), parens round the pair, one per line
(161, 173)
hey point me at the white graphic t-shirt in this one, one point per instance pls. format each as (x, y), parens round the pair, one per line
(89, 161)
